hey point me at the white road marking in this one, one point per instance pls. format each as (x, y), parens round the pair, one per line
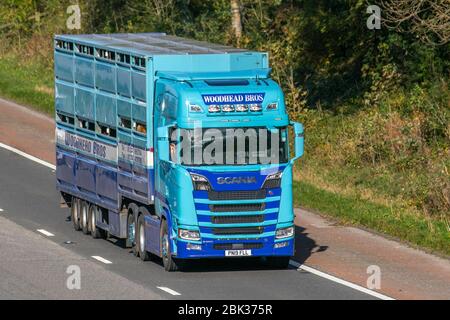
(340, 281)
(28, 156)
(168, 290)
(1, 210)
(172, 292)
(105, 261)
(45, 232)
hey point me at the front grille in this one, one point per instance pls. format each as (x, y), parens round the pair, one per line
(238, 219)
(238, 230)
(237, 207)
(237, 195)
(238, 246)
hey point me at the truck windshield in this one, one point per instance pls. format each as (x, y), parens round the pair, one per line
(229, 146)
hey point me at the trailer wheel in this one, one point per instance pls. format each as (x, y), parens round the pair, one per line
(131, 232)
(74, 213)
(84, 219)
(95, 232)
(170, 264)
(140, 240)
(279, 262)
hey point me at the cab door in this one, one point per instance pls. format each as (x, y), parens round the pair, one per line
(164, 122)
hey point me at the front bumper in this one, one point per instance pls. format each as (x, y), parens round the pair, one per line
(265, 248)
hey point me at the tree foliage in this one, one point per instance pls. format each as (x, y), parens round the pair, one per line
(321, 50)
(324, 56)
(428, 19)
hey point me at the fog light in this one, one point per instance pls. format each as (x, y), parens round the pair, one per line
(281, 244)
(189, 234)
(193, 246)
(284, 233)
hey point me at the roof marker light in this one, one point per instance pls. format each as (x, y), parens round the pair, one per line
(272, 106)
(227, 108)
(241, 108)
(214, 108)
(255, 107)
(195, 108)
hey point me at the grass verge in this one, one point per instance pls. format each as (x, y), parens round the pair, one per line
(416, 230)
(26, 83)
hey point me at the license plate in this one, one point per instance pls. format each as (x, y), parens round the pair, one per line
(238, 253)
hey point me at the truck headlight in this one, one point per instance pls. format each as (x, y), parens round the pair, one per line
(189, 234)
(200, 182)
(284, 233)
(274, 176)
(273, 180)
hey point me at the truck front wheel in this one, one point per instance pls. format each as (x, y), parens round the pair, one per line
(170, 264)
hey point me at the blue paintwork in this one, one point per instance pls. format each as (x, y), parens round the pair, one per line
(275, 215)
(133, 83)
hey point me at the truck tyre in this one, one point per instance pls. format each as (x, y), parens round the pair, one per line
(140, 240)
(131, 232)
(95, 232)
(84, 219)
(74, 213)
(279, 262)
(170, 264)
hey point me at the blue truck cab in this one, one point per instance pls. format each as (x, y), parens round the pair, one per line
(179, 147)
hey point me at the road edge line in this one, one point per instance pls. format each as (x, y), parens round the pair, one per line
(168, 290)
(101, 259)
(339, 280)
(28, 156)
(45, 232)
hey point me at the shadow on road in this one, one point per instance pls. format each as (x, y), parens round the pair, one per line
(304, 247)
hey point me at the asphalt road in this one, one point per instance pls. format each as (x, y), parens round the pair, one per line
(29, 202)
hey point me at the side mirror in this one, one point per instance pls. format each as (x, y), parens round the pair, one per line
(163, 143)
(299, 140)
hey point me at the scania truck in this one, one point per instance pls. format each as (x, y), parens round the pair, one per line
(178, 147)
